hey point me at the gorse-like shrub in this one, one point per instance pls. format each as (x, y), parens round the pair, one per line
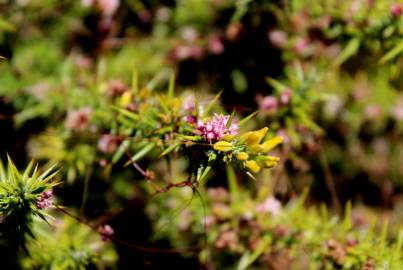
(24, 196)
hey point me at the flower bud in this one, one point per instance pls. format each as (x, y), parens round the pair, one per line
(223, 146)
(271, 143)
(254, 137)
(252, 166)
(242, 156)
(228, 137)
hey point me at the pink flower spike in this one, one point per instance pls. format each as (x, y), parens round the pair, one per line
(215, 128)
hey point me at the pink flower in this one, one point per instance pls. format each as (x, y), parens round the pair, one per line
(396, 9)
(300, 45)
(108, 143)
(285, 96)
(183, 52)
(372, 111)
(78, 120)
(283, 133)
(215, 128)
(278, 38)
(196, 52)
(271, 205)
(108, 7)
(116, 88)
(45, 200)
(163, 14)
(189, 34)
(215, 45)
(269, 104)
(190, 119)
(106, 232)
(398, 112)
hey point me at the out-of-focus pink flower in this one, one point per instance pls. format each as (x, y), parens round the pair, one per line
(269, 104)
(227, 239)
(283, 134)
(189, 103)
(396, 9)
(39, 90)
(108, 143)
(189, 34)
(372, 111)
(163, 14)
(190, 119)
(84, 62)
(215, 45)
(354, 9)
(108, 7)
(219, 194)
(278, 38)
(45, 199)
(116, 88)
(196, 52)
(271, 205)
(106, 232)
(78, 120)
(183, 52)
(215, 128)
(398, 112)
(300, 45)
(285, 96)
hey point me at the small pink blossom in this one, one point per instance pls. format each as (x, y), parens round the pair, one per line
(183, 52)
(285, 96)
(108, 143)
(300, 45)
(271, 205)
(215, 128)
(278, 38)
(78, 120)
(163, 14)
(396, 9)
(215, 45)
(398, 112)
(269, 104)
(189, 34)
(116, 88)
(372, 111)
(196, 52)
(190, 119)
(45, 199)
(188, 103)
(108, 7)
(283, 133)
(106, 232)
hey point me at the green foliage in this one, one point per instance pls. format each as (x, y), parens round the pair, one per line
(20, 195)
(67, 244)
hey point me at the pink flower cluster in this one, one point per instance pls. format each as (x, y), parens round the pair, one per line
(45, 200)
(215, 128)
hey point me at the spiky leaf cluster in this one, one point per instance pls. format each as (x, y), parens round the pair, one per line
(19, 197)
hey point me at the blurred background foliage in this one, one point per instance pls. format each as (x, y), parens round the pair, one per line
(86, 83)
